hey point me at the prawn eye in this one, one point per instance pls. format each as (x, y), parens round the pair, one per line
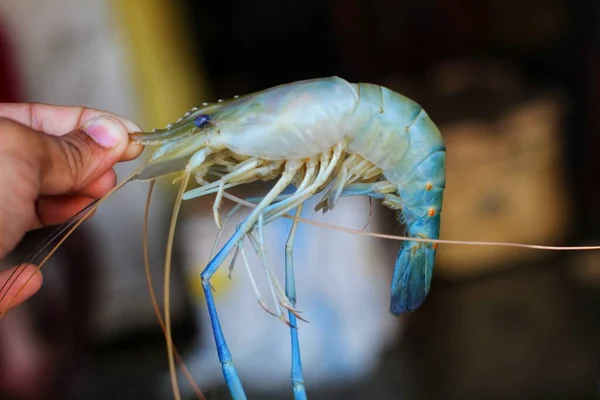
(201, 120)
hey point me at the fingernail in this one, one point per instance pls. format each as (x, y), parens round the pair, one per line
(131, 126)
(104, 130)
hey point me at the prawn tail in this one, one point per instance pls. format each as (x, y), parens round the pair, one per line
(422, 193)
(413, 270)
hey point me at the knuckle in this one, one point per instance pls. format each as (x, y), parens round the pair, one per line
(77, 156)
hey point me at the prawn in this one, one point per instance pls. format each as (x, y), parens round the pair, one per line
(357, 139)
(312, 133)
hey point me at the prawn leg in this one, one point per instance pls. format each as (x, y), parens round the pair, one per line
(291, 168)
(290, 291)
(229, 372)
(382, 190)
(301, 195)
(297, 377)
(379, 190)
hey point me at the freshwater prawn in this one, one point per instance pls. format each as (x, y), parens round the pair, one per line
(312, 133)
(357, 139)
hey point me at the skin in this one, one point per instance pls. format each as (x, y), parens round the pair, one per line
(53, 162)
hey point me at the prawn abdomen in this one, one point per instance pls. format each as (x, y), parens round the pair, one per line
(396, 134)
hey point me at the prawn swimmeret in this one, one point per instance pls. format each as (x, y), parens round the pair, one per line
(354, 139)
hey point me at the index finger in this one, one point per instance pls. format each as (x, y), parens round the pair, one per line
(60, 120)
(55, 120)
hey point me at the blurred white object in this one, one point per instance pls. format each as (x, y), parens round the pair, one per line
(342, 286)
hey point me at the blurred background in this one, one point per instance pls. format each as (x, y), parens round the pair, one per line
(514, 87)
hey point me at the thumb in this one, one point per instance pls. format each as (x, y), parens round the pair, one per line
(73, 161)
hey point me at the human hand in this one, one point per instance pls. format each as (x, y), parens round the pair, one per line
(54, 161)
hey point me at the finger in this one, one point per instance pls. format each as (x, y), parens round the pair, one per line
(36, 164)
(132, 152)
(76, 160)
(54, 210)
(100, 186)
(56, 120)
(17, 285)
(59, 120)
